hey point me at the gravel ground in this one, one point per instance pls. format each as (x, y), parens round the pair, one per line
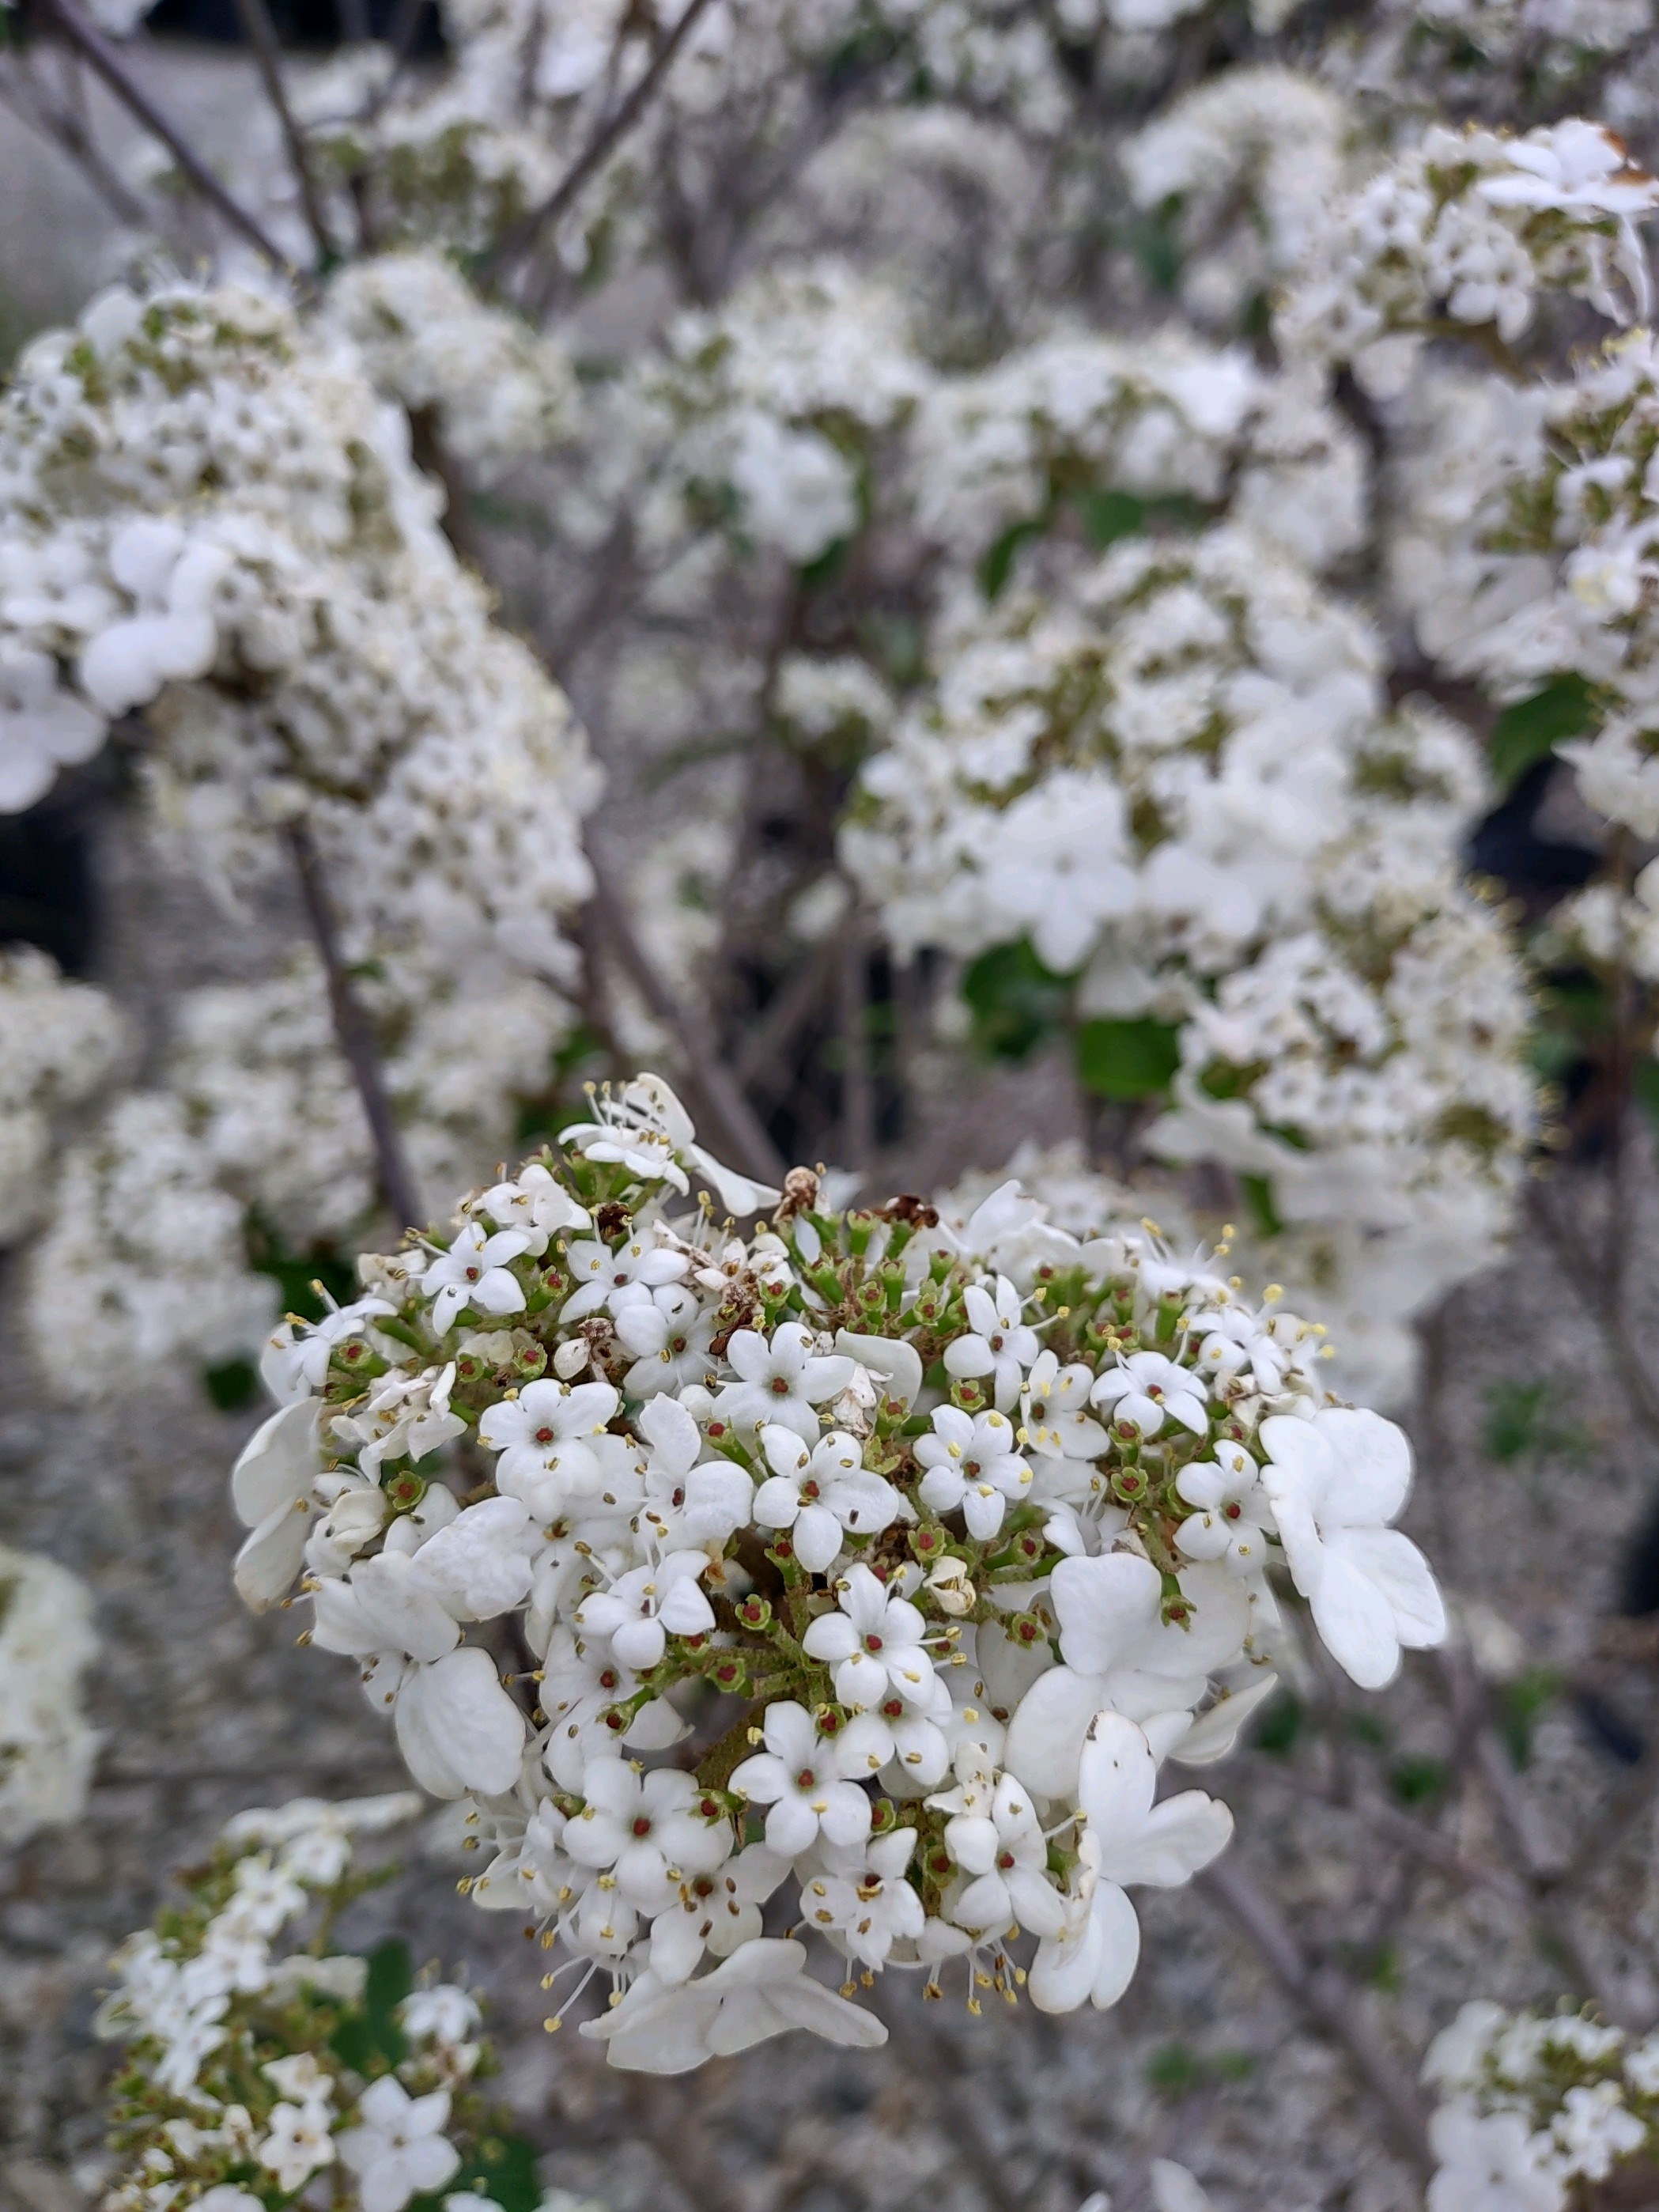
(204, 1710)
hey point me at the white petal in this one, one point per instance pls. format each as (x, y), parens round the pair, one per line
(1045, 1737)
(270, 1558)
(1356, 1622)
(1120, 1945)
(276, 1463)
(458, 1728)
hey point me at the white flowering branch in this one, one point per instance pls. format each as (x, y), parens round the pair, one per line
(355, 1034)
(517, 239)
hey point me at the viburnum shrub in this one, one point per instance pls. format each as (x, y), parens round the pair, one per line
(257, 2069)
(851, 1550)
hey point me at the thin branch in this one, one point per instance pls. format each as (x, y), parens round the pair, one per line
(1584, 1271)
(401, 34)
(268, 57)
(355, 1035)
(517, 241)
(1429, 1844)
(107, 62)
(1328, 1997)
(763, 1044)
(858, 1111)
(740, 1127)
(25, 99)
(1541, 1868)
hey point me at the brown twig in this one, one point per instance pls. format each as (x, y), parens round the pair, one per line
(763, 1044)
(740, 1127)
(1584, 1273)
(858, 1110)
(261, 35)
(1328, 1997)
(518, 238)
(26, 99)
(1541, 1868)
(102, 57)
(355, 1035)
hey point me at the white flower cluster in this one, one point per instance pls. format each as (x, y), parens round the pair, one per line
(1247, 162)
(206, 515)
(494, 388)
(1178, 779)
(1547, 541)
(1464, 232)
(281, 1125)
(1534, 2106)
(46, 1745)
(254, 2070)
(1540, 29)
(761, 417)
(58, 1040)
(1158, 417)
(144, 1262)
(918, 1577)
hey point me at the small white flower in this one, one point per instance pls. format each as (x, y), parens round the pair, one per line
(874, 1643)
(762, 1990)
(999, 1343)
(607, 1279)
(649, 1830)
(867, 1903)
(1489, 2163)
(1126, 1839)
(298, 2143)
(973, 1466)
(474, 1273)
(820, 1496)
(546, 1439)
(783, 1381)
(1233, 1516)
(798, 1776)
(1004, 1852)
(645, 1606)
(1146, 1388)
(399, 2149)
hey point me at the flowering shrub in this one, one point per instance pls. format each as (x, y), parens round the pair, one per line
(1534, 2107)
(1468, 228)
(917, 1577)
(255, 2071)
(46, 1747)
(57, 1040)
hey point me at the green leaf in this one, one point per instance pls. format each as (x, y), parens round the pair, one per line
(1532, 728)
(1127, 1060)
(1418, 1780)
(1154, 238)
(1644, 1081)
(1513, 1415)
(1109, 515)
(1259, 1197)
(232, 1385)
(373, 2032)
(1519, 1704)
(997, 567)
(503, 2167)
(829, 564)
(1015, 1001)
(1279, 1725)
(296, 1273)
